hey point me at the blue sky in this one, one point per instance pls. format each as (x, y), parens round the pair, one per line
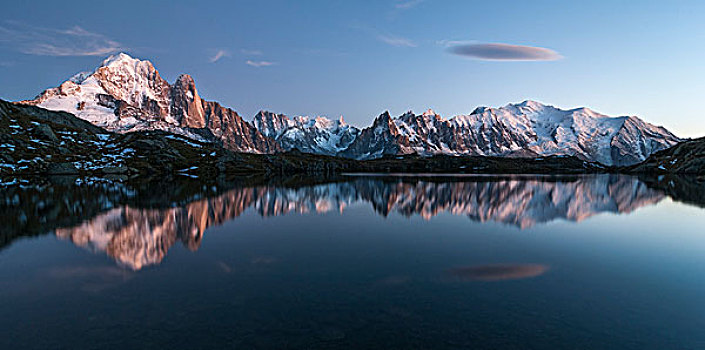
(360, 58)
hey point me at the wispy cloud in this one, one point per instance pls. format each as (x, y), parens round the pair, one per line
(74, 41)
(383, 36)
(448, 43)
(250, 52)
(218, 55)
(396, 41)
(501, 52)
(259, 64)
(405, 5)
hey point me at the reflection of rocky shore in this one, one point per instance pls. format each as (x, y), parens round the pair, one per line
(139, 237)
(686, 189)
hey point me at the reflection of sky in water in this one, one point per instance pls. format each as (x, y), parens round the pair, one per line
(358, 279)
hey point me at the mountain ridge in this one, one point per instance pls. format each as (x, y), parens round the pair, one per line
(127, 94)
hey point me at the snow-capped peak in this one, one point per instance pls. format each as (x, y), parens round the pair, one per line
(121, 59)
(535, 105)
(124, 94)
(429, 113)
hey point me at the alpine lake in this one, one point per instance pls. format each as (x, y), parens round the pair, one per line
(365, 261)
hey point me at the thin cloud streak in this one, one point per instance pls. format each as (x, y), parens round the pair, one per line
(396, 41)
(502, 52)
(385, 37)
(259, 64)
(40, 41)
(218, 55)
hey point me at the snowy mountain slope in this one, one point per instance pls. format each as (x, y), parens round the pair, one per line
(382, 138)
(525, 129)
(311, 135)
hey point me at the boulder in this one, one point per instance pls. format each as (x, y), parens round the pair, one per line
(45, 132)
(61, 169)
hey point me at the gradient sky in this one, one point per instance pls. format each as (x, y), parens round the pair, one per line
(360, 58)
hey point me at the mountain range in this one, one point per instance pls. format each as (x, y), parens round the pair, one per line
(125, 94)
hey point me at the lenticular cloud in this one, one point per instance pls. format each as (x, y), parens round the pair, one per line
(504, 52)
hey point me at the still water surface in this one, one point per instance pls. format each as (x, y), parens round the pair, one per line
(587, 262)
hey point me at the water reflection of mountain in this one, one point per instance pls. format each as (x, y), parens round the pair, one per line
(137, 226)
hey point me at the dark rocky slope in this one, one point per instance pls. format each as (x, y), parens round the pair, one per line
(687, 157)
(36, 141)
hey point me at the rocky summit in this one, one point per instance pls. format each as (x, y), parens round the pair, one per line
(126, 94)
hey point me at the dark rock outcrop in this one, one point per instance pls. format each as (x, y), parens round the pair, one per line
(688, 157)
